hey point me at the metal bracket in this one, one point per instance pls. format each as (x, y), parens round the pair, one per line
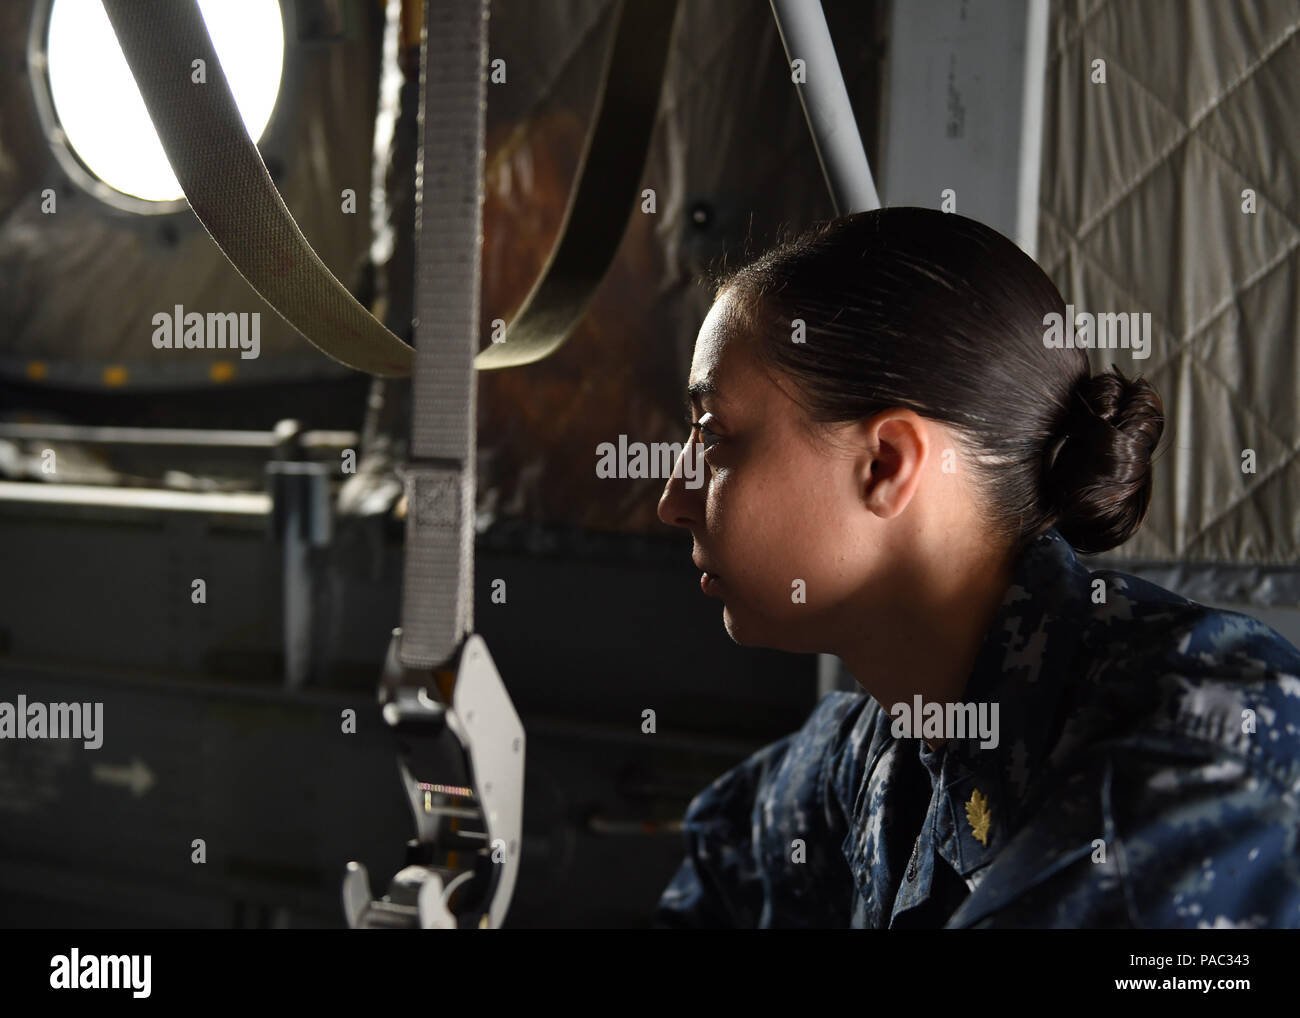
(481, 822)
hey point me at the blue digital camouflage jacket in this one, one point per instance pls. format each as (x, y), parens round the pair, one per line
(1147, 774)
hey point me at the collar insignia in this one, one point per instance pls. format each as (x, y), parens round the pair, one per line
(978, 816)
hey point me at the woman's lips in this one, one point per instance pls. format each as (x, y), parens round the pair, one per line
(708, 583)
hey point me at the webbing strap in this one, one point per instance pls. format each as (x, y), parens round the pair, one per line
(607, 191)
(437, 591)
(229, 189)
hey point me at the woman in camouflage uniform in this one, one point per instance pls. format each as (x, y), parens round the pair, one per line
(901, 467)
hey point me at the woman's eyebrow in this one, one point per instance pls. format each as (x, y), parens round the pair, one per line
(696, 390)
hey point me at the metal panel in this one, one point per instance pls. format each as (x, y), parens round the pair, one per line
(964, 110)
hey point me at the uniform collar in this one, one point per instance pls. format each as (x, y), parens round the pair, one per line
(1021, 666)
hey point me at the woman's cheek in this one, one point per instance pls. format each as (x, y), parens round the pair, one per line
(715, 499)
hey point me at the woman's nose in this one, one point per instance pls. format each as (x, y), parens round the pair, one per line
(675, 504)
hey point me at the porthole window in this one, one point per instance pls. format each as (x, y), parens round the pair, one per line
(96, 108)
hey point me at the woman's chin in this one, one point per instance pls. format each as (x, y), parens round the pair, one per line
(734, 628)
(745, 631)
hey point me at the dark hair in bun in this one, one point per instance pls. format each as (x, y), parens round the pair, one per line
(1098, 475)
(916, 308)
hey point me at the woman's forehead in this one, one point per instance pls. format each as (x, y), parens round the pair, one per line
(717, 347)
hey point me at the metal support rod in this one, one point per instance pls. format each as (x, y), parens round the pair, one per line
(802, 27)
(197, 437)
(296, 593)
(301, 521)
(1031, 126)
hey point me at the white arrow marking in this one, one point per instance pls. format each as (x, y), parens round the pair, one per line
(135, 776)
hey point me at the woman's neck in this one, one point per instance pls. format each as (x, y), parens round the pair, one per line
(925, 637)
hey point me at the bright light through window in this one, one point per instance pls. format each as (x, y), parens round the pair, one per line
(100, 109)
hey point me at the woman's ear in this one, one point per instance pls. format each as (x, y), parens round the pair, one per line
(898, 444)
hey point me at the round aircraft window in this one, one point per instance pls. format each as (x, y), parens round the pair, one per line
(99, 116)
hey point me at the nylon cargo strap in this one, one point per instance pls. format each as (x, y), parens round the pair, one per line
(228, 187)
(437, 584)
(231, 192)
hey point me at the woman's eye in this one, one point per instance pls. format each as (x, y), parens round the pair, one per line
(708, 436)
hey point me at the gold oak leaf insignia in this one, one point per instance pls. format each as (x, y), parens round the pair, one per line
(978, 816)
